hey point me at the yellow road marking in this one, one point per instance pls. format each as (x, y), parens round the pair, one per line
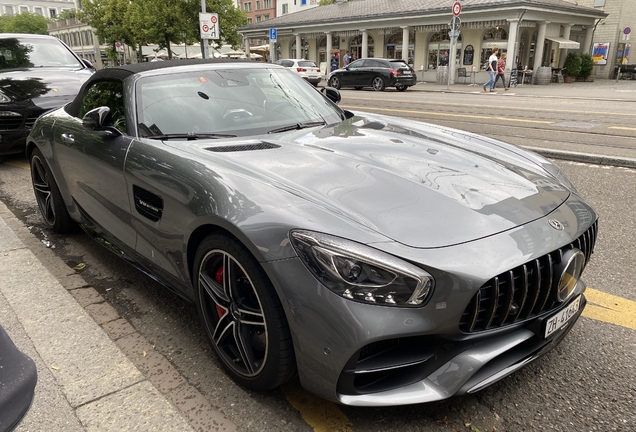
(481, 117)
(321, 415)
(19, 164)
(621, 127)
(610, 309)
(513, 108)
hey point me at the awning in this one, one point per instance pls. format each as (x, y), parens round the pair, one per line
(565, 43)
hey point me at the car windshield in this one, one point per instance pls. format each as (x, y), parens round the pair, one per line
(25, 52)
(238, 102)
(306, 64)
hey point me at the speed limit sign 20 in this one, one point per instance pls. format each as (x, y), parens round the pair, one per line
(457, 8)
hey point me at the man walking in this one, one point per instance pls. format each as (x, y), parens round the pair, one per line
(492, 71)
(346, 59)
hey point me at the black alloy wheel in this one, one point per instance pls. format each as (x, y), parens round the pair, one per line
(378, 83)
(48, 195)
(242, 315)
(334, 82)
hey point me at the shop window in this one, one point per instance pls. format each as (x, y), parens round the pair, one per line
(356, 47)
(439, 49)
(394, 46)
(493, 37)
(304, 51)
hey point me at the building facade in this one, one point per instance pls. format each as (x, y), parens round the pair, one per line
(46, 8)
(258, 11)
(284, 7)
(534, 33)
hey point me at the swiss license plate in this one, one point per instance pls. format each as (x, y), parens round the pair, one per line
(407, 73)
(557, 321)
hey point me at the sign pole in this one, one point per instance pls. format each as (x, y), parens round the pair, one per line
(453, 34)
(206, 49)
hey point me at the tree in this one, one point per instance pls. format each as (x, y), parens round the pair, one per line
(326, 2)
(230, 19)
(25, 22)
(107, 17)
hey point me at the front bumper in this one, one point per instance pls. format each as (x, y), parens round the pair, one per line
(370, 355)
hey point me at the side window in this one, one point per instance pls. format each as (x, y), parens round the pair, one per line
(288, 63)
(356, 64)
(111, 95)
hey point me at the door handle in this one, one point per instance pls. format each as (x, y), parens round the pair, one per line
(68, 138)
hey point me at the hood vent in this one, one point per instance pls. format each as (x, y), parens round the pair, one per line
(243, 147)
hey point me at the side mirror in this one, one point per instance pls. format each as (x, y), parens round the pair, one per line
(332, 94)
(88, 64)
(99, 119)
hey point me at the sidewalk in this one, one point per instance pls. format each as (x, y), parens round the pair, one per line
(600, 89)
(91, 377)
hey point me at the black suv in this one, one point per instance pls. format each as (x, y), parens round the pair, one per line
(377, 73)
(37, 73)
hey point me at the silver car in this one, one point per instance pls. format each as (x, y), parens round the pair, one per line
(385, 261)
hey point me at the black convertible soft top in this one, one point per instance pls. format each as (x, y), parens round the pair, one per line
(120, 73)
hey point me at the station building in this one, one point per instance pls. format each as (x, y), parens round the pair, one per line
(534, 33)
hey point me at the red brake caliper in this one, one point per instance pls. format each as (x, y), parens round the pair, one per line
(218, 277)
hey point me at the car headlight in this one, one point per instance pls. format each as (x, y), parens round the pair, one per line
(4, 98)
(361, 273)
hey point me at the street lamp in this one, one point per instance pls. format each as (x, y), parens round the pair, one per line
(185, 43)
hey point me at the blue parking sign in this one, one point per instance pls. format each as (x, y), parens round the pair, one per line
(272, 35)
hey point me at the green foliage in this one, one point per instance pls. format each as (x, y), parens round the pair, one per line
(326, 2)
(70, 13)
(572, 64)
(587, 64)
(107, 18)
(25, 22)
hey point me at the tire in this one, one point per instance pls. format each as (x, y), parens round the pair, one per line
(48, 195)
(334, 82)
(378, 83)
(242, 314)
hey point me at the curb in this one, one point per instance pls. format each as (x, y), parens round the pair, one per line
(158, 391)
(624, 162)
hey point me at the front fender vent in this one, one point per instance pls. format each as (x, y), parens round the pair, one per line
(523, 292)
(243, 147)
(148, 204)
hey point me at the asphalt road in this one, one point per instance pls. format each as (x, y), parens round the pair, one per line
(586, 384)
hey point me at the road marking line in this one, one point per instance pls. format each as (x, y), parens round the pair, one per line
(515, 108)
(19, 164)
(610, 309)
(321, 415)
(621, 127)
(481, 117)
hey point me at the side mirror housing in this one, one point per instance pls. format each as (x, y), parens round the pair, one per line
(332, 94)
(88, 64)
(99, 119)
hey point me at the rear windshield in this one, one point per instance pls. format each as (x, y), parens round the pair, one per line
(398, 65)
(307, 64)
(25, 52)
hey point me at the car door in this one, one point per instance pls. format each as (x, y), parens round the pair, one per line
(92, 162)
(368, 71)
(351, 75)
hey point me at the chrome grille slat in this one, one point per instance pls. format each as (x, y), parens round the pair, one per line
(528, 290)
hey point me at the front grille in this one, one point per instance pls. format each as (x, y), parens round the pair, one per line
(10, 122)
(523, 292)
(30, 121)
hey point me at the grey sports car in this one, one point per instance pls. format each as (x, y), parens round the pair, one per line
(385, 261)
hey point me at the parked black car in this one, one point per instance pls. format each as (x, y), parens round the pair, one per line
(37, 73)
(374, 72)
(18, 377)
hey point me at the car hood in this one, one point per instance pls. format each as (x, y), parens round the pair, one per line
(421, 185)
(46, 88)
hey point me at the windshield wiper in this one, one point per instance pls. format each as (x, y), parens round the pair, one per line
(300, 125)
(190, 136)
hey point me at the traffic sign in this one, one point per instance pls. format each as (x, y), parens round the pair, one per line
(209, 25)
(272, 35)
(457, 8)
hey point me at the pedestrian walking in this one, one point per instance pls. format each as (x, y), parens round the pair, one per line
(334, 63)
(501, 72)
(492, 70)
